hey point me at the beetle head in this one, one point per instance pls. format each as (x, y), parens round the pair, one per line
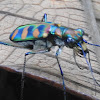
(72, 43)
(75, 37)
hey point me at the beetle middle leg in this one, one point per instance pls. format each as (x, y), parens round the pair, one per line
(61, 71)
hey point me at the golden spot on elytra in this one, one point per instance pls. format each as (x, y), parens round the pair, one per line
(14, 34)
(36, 33)
(25, 32)
(58, 25)
(76, 33)
(45, 35)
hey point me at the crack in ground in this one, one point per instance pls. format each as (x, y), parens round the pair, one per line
(8, 55)
(20, 16)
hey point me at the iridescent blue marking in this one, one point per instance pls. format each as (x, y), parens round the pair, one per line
(48, 22)
(79, 34)
(30, 31)
(31, 28)
(68, 35)
(62, 28)
(81, 30)
(75, 37)
(52, 29)
(41, 29)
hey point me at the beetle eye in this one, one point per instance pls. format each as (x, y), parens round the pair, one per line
(70, 42)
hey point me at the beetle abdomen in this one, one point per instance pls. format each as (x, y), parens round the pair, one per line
(30, 32)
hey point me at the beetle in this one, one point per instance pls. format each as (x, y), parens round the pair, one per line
(51, 33)
(48, 34)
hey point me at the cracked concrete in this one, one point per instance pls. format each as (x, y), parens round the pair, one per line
(69, 13)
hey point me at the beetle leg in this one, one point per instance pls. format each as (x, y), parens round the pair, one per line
(64, 87)
(48, 44)
(23, 73)
(44, 19)
(74, 55)
(33, 44)
(89, 65)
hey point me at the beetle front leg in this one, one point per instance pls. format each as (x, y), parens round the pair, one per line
(74, 55)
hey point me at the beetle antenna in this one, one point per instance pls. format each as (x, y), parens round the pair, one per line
(64, 87)
(91, 43)
(89, 65)
(5, 43)
(10, 44)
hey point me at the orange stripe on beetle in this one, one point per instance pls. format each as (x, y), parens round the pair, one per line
(25, 32)
(58, 32)
(76, 32)
(36, 33)
(14, 34)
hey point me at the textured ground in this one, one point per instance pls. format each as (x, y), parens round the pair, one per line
(69, 13)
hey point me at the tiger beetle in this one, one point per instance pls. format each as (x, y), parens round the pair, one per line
(50, 34)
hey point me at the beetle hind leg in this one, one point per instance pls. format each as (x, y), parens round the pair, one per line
(44, 19)
(23, 72)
